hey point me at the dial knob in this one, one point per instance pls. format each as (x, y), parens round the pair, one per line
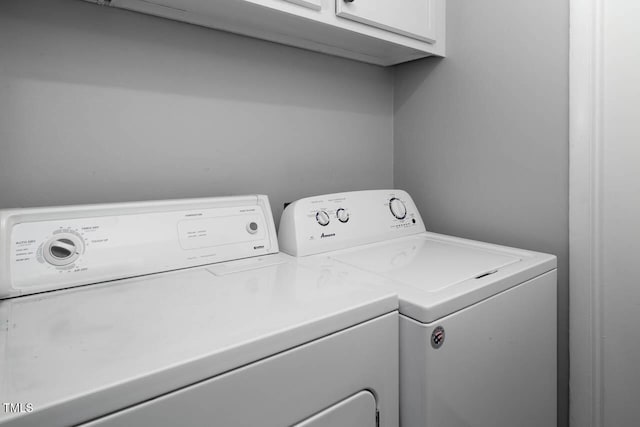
(323, 218)
(62, 249)
(342, 215)
(398, 209)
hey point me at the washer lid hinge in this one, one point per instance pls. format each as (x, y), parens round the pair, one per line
(377, 418)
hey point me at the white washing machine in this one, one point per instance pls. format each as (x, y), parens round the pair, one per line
(183, 313)
(477, 321)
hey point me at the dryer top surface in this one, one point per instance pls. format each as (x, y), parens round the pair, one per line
(100, 347)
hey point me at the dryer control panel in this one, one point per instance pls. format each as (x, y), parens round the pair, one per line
(344, 220)
(51, 248)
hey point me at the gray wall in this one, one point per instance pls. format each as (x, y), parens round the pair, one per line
(101, 105)
(481, 137)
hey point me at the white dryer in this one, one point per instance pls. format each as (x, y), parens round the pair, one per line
(478, 321)
(183, 313)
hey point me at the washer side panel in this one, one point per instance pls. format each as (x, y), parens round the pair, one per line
(496, 366)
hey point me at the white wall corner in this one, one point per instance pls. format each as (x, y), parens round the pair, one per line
(586, 74)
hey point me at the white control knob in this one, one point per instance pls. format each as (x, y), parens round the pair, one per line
(323, 218)
(398, 209)
(62, 249)
(342, 215)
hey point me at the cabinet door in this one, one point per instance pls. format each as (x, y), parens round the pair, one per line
(357, 411)
(412, 18)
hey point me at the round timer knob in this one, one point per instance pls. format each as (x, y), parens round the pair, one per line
(323, 218)
(342, 215)
(62, 249)
(398, 209)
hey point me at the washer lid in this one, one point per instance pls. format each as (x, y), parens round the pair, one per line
(428, 264)
(436, 275)
(84, 352)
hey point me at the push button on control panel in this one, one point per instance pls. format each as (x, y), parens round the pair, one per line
(252, 227)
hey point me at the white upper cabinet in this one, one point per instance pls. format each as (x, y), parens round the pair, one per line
(383, 32)
(412, 18)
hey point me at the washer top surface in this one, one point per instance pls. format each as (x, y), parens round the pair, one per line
(382, 232)
(88, 350)
(427, 263)
(436, 275)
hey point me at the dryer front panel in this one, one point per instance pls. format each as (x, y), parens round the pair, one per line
(359, 410)
(328, 382)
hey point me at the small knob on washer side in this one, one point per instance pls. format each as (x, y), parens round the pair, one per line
(342, 215)
(323, 218)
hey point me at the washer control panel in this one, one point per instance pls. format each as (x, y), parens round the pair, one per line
(343, 220)
(52, 248)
